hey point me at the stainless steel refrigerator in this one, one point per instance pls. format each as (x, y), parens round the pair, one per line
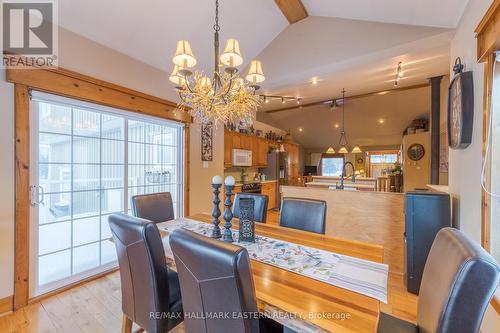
(277, 169)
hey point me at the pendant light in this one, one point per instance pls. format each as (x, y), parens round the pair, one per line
(330, 150)
(343, 137)
(356, 150)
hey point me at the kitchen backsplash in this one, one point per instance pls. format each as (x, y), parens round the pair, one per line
(236, 173)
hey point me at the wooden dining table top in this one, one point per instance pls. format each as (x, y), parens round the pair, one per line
(303, 303)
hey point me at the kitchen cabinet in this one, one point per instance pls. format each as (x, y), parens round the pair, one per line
(246, 142)
(269, 189)
(258, 146)
(293, 163)
(228, 144)
(236, 141)
(261, 149)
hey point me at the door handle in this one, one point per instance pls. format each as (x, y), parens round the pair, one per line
(33, 196)
(41, 195)
(37, 195)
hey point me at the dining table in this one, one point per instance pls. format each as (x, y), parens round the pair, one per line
(300, 302)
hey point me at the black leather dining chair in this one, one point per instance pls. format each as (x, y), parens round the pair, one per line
(458, 282)
(155, 207)
(260, 207)
(215, 277)
(303, 214)
(151, 295)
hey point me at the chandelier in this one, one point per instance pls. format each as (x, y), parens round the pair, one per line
(343, 143)
(224, 97)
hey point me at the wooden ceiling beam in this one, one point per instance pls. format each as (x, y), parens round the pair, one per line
(382, 92)
(293, 10)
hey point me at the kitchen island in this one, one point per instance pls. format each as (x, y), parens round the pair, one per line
(331, 182)
(370, 217)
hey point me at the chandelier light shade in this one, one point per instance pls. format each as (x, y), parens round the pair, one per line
(330, 150)
(255, 74)
(231, 56)
(206, 83)
(184, 57)
(224, 97)
(343, 150)
(356, 150)
(176, 78)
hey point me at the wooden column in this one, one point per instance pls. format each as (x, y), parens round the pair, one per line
(435, 126)
(22, 167)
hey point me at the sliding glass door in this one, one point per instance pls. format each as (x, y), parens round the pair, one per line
(88, 160)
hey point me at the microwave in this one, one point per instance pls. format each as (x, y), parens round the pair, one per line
(242, 157)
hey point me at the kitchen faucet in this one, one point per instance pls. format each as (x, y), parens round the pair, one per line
(341, 187)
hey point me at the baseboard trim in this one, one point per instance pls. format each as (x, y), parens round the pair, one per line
(6, 305)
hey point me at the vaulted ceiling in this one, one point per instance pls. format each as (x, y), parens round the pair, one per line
(355, 44)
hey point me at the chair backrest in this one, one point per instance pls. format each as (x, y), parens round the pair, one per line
(260, 208)
(215, 277)
(156, 207)
(143, 272)
(458, 282)
(303, 214)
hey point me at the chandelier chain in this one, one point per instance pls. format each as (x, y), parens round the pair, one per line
(226, 98)
(216, 25)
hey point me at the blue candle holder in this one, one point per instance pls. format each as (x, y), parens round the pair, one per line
(228, 215)
(216, 212)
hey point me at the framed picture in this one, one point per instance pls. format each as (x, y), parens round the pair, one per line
(460, 110)
(207, 142)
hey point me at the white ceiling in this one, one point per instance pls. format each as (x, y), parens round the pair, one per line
(356, 55)
(397, 109)
(352, 44)
(433, 13)
(149, 30)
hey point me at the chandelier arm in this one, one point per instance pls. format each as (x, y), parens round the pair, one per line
(229, 86)
(181, 97)
(188, 86)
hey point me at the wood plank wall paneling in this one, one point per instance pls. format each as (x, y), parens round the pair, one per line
(371, 217)
(485, 198)
(22, 206)
(187, 162)
(488, 41)
(293, 10)
(69, 84)
(488, 32)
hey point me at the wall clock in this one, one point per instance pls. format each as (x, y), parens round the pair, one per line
(460, 108)
(416, 151)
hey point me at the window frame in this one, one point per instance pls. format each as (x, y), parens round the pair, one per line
(379, 152)
(327, 156)
(35, 289)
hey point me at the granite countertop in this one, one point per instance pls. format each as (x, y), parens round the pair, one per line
(261, 182)
(346, 184)
(338, 178)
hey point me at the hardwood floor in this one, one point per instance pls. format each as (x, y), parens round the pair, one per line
(95, 307)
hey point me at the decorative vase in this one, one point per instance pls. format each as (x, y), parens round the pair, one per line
(246, 222)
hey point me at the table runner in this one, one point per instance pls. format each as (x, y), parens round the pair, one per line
(354, 274)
